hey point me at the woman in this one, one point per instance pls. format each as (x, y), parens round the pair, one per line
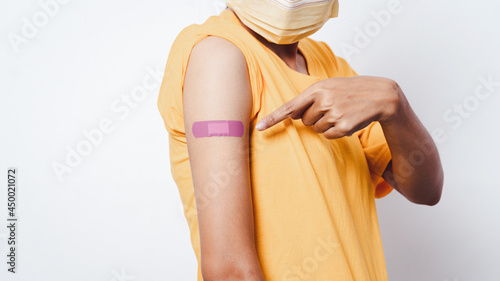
(294, 200)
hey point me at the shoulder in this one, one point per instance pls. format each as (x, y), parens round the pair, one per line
(217, 56)
(218, 65)
(218, 47)
(217, 39)
(221, 25)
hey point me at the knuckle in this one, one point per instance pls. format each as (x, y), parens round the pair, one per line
(287, 109)
(325, 102)
(334, 116)
(317, 128)
(329, 134)
(270, 119)
(343, 128)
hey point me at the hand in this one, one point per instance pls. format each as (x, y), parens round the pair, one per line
(339, 107)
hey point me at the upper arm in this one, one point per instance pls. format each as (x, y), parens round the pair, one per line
(216, 87)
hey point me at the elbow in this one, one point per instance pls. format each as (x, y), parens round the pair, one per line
(428, 201)
(433, 200)
(433, 195)
(428, 192)
(229, 271)
(436, 196)
(437, 190)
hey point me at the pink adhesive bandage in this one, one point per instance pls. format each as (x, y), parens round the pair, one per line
(219, 128)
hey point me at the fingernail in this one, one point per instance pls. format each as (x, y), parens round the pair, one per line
(260, 126)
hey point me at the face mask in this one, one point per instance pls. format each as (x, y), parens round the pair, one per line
(284, 21)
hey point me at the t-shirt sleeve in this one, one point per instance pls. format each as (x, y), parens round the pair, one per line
(170, 98)
(377, 155)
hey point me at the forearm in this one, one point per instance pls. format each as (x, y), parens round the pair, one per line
(416, 165)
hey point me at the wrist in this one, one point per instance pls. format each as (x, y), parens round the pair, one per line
(396, 108)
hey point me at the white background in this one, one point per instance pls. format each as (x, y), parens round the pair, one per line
(116, 215)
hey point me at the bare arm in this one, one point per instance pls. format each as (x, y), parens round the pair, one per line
(217, 88)
(415, 170)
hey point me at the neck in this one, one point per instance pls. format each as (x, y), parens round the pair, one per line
(287, 52)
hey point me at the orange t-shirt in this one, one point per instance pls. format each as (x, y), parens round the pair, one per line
(313, 198)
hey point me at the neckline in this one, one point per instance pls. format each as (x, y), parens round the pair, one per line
(287, 68)
(307, 58)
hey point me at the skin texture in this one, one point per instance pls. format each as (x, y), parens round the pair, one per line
(216, 87)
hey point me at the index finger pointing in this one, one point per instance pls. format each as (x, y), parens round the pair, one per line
(303, 100)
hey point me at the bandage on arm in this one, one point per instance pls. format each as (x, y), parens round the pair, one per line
(218, 128)
(217, 108)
